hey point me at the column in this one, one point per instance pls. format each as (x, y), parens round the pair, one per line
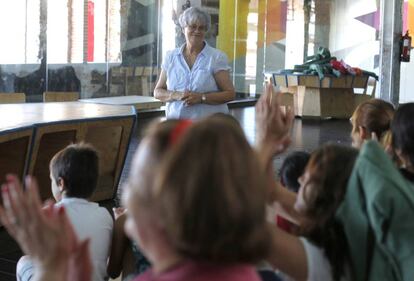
(391, 29)
(232, 37)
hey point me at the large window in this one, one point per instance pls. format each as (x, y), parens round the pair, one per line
(77, 31)
(60, 45)
(20, 44)
(83, 31)
(115, 47)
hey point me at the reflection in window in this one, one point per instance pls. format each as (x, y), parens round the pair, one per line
(77, 31)
(58, 31)
(83, 31)
(20, 44)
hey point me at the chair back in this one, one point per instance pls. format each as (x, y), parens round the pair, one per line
(60, 96)
(12, 97)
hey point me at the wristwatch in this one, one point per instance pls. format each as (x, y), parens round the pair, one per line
(203, 98)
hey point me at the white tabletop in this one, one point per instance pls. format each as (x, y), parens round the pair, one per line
(139, 102)
(28, 114)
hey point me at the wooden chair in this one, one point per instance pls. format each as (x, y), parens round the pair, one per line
(147, 71)
(14, 152)
(60, 96)
(371, 87)
(286, 93)
(12, 97)
(369, 92)
(156, 71)
(50, 138)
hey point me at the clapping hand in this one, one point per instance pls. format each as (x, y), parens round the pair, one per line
(44, 233)
(119, 211)
(272, 133)
(272, 124)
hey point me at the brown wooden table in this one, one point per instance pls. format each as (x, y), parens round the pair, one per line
(329, 97)
(31, 133)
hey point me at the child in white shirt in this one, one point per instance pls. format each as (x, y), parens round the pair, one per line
(74, 175)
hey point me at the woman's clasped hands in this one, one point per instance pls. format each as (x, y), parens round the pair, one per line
(191, 98)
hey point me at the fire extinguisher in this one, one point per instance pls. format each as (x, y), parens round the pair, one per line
(405, 47)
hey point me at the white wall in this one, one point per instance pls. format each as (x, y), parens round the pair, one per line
(350, 39)
(407, 82)
(295, 37)
(355, 42)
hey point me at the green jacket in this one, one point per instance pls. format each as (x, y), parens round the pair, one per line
(378, 218)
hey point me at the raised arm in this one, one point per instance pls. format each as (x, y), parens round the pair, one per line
(272, 138)
(272, 125)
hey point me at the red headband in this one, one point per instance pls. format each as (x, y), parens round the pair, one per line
(179, 130)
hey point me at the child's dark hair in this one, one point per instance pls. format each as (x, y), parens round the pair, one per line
(77, 165)
(402, 128)
(292, 168)
(329, 169)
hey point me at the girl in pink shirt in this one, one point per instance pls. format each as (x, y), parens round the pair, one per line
(200, 214)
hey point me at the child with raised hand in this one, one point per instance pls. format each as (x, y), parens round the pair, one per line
(320, 253)
(74, 175)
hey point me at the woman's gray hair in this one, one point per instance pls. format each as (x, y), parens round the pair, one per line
(193, 15)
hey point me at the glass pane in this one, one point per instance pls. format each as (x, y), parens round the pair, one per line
(407, 69)
(113, 45)
(22, 68)
(20, 44)
(258, 32)
(133, 58)
(332, 24)
(139, 33)
(93, 40)
(358, 49)
(60, 31)
(65, 45)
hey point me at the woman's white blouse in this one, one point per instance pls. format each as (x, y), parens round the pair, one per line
(199, 79)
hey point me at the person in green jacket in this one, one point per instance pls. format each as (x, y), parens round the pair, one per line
(377, 216)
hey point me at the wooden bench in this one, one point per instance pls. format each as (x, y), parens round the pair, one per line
(130, 80)
(60, 96)
(12, 97)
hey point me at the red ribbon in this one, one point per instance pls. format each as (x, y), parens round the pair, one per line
(179, 130)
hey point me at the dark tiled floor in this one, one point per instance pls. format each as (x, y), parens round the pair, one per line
(306, 135)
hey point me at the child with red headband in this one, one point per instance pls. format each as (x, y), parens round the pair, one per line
(125, 255)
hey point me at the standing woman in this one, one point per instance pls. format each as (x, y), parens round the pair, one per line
(194, 80)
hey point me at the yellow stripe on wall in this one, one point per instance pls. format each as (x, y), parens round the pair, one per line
(232, 40)
(411, 18)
